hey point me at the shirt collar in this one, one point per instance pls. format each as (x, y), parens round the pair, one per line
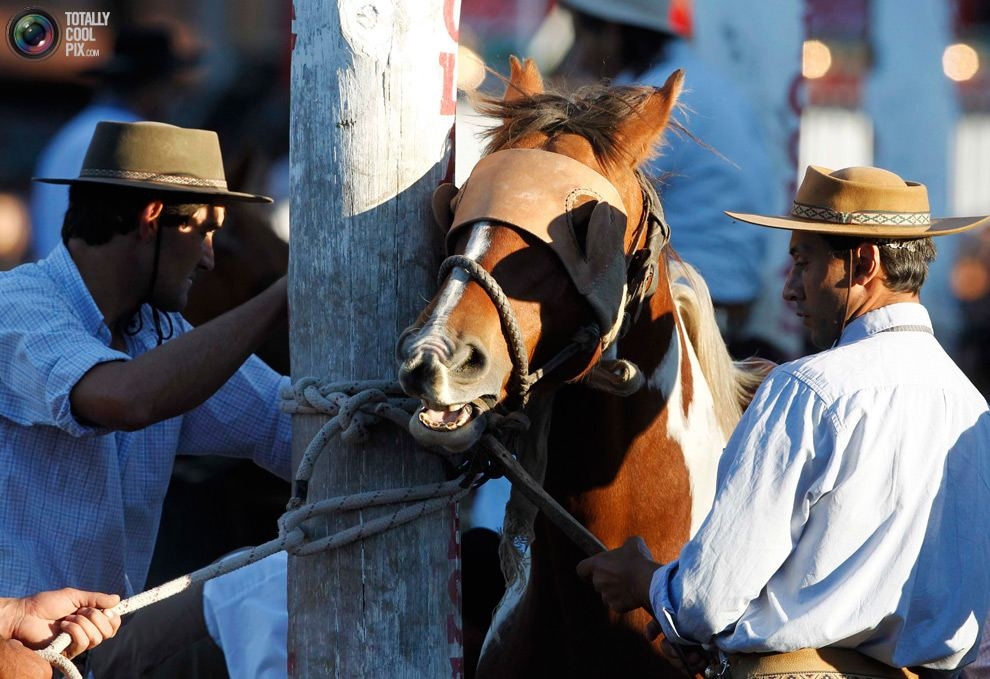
(885, 318)
(63, 271)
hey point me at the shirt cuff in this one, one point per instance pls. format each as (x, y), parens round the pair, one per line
(664, 604)
(63, 378)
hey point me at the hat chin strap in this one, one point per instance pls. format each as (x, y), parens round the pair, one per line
(845, 311)
(155, 313)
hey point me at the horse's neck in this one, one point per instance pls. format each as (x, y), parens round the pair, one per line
(691, 419)
(664, 432)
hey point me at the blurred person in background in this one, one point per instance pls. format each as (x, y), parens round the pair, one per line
(138, 82)
(716, 161)
(971, 286)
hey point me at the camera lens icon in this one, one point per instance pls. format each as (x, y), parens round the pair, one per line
(33, 34)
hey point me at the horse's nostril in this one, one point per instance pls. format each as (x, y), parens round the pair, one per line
(403, 346)
(476, 361)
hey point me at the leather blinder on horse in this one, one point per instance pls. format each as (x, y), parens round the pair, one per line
(537, 192)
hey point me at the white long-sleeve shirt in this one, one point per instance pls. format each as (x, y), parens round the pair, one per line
(852, 509)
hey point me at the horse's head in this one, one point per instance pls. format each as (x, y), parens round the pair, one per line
(547, 240)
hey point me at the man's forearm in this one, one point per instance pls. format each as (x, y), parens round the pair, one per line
(182, 373)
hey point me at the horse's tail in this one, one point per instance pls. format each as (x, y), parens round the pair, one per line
(732, 383)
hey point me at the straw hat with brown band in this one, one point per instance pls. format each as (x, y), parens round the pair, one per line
(862, 201)
(156, 156)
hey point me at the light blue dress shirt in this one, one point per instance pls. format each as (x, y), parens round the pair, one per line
(852, 509)
(81, 505)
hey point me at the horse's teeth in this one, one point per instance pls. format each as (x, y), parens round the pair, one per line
(455, 407)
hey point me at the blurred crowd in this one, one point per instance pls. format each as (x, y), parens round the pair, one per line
(157, 67)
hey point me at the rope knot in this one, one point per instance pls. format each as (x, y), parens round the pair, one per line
(353, 417)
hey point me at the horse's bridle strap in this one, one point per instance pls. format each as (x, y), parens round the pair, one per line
(534, 492)
(521, 380)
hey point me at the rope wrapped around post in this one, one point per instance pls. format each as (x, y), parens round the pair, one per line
(352, 407)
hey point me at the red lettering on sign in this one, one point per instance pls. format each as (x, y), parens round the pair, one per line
(448, 104)
(454, 542)
(450, 19)
(454, 587)
(292, 17)
(455, 634)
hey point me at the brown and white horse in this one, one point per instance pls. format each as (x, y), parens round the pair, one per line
(557, 239)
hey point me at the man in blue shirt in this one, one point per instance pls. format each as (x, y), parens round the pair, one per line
(101, 379)
(94, 401)
(851, 525)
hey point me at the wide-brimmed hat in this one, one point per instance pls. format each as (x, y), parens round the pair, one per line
(651, 14)
(142, 54)
(862, 201)
(156, 156)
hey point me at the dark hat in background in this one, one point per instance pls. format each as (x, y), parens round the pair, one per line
(650, 14)
(143, 53)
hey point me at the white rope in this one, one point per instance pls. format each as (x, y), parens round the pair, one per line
(352, 407)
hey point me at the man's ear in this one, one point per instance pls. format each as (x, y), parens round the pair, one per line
(866, 263)
(148, 219)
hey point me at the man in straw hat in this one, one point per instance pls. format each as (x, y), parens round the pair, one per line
(850, 532)
(147, 72)
(102, 380)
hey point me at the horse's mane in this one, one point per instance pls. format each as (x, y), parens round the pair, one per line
(593, 112)
(732, 383)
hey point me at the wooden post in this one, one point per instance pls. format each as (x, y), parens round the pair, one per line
(373, 87)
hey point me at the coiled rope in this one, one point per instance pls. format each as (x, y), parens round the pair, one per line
(352, 407)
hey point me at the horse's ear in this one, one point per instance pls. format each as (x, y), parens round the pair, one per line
(524, 79)
(641, 131)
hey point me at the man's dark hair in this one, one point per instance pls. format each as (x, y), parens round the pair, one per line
(905, 262)
(98, 212)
